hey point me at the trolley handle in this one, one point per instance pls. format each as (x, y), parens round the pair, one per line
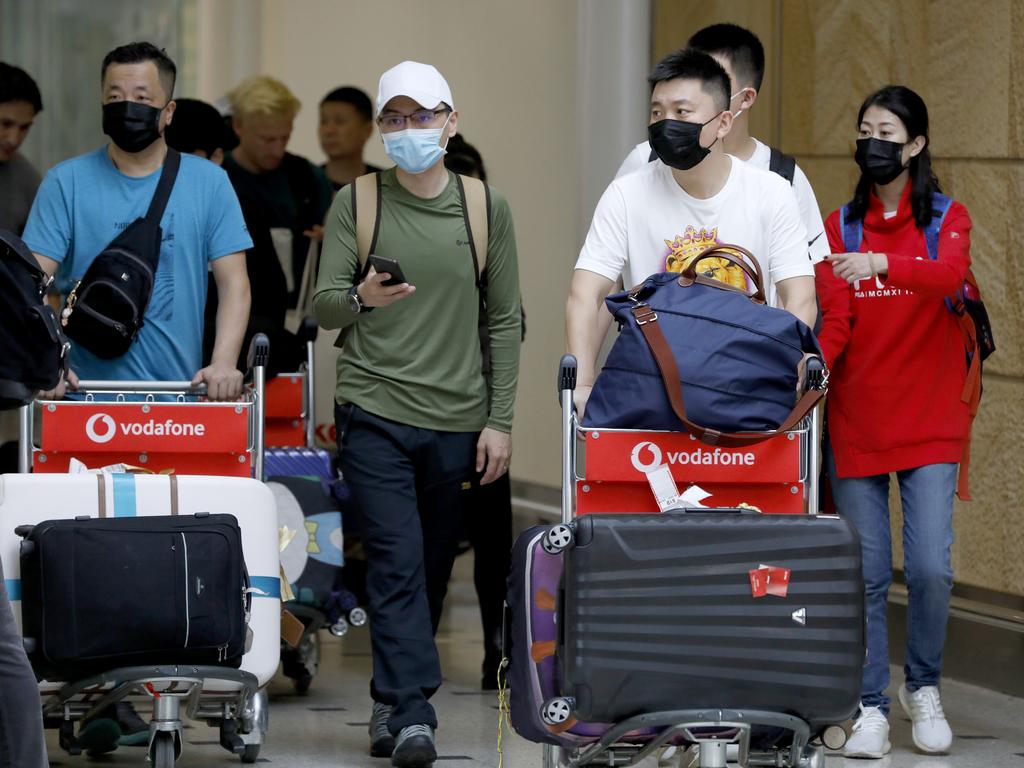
(566, 386)
(815, 374)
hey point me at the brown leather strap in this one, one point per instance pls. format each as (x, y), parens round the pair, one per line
(750, 265)
(647, 319)
(101, 500)
(174, 494)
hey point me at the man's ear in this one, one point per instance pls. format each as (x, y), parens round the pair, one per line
(169, 112)
(453, 124)
(749, 98)
(725, 125)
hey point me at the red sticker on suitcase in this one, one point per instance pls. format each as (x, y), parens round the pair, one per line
(769, 580)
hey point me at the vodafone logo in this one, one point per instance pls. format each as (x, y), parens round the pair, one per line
(653, 450)
(107, 428)
(101, 428)
(716, 457)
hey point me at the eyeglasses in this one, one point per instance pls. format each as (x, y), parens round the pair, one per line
(421, 118)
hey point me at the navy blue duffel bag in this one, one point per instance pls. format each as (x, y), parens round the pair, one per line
(698, 355)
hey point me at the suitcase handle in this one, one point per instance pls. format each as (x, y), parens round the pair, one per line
(711, 511)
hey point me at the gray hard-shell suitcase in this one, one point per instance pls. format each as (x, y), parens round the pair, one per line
(659, 612)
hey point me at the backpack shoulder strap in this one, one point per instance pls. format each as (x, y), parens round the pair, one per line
(781, 163)
(853, 231)
(476, 211)
(940, 207)
(366, 191)
(163, 187)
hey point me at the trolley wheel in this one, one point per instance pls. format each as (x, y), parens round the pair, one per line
(557, 539)
(557, 710)
(357, 617)
(834, 737)
(250, 753)
(161, 751)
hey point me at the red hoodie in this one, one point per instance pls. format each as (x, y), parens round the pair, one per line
(896, 353)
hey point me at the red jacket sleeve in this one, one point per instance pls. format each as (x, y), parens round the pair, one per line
(834, 296)
(945, 275)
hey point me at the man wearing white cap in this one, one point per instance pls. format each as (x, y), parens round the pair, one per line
(418, 423)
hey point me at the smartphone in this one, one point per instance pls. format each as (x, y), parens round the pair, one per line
(380, 264)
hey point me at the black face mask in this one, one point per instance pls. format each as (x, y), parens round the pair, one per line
(677, 143)
(130, 125)
(880, 160)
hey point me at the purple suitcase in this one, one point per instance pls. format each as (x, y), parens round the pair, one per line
(534, 674)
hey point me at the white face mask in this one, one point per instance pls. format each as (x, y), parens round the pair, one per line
(740, 110)
(415, 150)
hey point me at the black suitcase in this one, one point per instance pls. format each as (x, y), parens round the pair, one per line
(102, 593)
(659, 614)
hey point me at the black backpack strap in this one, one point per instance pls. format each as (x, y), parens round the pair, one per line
(782, 164)
(163, 187)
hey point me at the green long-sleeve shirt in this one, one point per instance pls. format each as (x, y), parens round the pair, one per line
(418, 361)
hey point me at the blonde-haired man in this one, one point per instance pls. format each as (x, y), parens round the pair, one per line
(279, 191)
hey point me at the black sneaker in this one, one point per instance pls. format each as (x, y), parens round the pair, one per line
(99, 736)
(382, 742)
(414, 747)
(134, 730)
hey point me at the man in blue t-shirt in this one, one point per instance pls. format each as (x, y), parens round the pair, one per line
(85, 202)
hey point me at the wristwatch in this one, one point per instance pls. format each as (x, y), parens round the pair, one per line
(355, 303)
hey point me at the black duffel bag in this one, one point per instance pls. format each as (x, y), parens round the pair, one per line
(103, 593)
(698, 355)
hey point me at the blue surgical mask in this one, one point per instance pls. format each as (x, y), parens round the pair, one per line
(414, 150)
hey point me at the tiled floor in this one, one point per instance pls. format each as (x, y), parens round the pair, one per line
(327, 727)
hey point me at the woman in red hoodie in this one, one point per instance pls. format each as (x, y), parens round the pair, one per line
(898, 363)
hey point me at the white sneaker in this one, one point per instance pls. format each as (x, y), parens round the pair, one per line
(870, 736)
(924, 708)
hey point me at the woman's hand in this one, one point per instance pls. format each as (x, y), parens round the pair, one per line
(858, 266)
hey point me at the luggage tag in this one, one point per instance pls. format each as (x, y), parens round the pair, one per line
(666, 493)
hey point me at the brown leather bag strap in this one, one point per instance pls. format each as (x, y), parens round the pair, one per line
(750, 265)
(647, 319)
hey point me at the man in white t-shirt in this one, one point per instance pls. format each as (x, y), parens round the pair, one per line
(693, 197)
(741, 54)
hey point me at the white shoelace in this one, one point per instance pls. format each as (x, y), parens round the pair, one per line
(871, 721)
(926, 704)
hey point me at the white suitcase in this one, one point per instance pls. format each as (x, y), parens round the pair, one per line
(31, 499)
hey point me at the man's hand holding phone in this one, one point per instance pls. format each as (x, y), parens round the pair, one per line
(374, 291)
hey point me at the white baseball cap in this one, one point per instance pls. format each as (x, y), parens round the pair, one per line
(420, 82)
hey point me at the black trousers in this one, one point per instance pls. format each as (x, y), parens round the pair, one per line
(409, 486)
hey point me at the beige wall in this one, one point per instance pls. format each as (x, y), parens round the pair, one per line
(967, 62)
(512, 69)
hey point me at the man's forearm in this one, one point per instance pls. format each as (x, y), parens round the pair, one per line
(585, 329)
(798, 298)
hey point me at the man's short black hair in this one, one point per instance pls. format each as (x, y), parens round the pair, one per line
(198, 125)
(17, 85)
(137, 53)
(740, 46)
(691, 64)
(349, 94)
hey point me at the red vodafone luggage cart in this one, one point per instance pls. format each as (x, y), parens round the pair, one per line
(779, 476)
(203, 457)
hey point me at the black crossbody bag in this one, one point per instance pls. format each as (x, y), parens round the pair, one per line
(104, 312)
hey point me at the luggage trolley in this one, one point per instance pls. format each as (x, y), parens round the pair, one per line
(166, 428)
(780, 474)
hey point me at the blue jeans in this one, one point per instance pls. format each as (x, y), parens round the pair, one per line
(927, 496)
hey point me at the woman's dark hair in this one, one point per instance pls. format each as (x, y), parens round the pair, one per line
(462, 157)
(912, 112)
